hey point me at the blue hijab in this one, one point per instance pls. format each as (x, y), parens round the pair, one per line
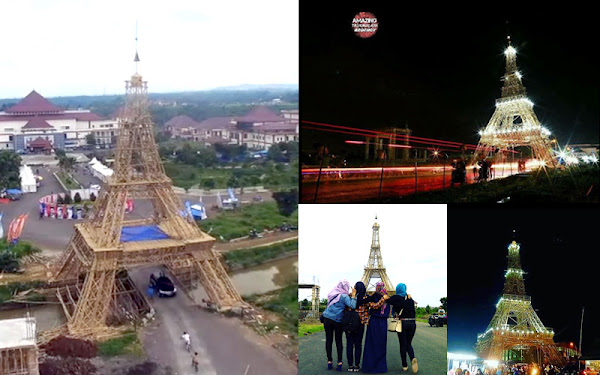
(401, 290)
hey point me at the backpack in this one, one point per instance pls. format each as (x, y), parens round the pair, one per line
(350, 321)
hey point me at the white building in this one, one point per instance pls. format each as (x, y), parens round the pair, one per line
(34, 124)
(259, 129)
(18, 347)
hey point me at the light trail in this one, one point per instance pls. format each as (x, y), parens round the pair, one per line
(402, 137)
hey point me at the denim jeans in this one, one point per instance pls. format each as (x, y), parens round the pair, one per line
(405, 339)
(333, 328)
(354, 345)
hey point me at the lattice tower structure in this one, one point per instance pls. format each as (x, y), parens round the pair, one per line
(375, 269)
(96, 249)
(515, 328)
(514, 123)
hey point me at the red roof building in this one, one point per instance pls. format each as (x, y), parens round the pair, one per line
(36, 117)
(34, 103)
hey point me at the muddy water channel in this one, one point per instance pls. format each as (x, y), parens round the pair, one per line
(46, 315)
(266, 277)
(262, 278)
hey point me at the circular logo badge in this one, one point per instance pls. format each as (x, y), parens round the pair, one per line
(364, 24)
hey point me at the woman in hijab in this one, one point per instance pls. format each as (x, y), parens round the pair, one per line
(374, 361)
(404, 307)
(354, 338)
(337, 300)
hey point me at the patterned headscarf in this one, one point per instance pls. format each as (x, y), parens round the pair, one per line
(343, 287)
(380, 288)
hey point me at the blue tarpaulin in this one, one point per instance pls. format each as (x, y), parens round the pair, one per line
(142, 233)
(13, 191)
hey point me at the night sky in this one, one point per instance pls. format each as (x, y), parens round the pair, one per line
(559, 253)
(439, 70)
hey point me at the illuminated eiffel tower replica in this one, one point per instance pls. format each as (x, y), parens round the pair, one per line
(375, 268)
(514, 123)
(516, 332)
(108, 243)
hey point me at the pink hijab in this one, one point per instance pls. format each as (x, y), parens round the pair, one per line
(343, 287)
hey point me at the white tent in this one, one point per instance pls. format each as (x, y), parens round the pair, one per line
(100, 170)
(28, 181)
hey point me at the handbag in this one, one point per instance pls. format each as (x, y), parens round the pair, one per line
(395, 325)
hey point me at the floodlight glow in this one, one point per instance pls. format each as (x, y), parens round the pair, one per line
(510, 50)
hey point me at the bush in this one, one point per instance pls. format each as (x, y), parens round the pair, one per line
(92, 197)
(68, 199)
(77, 198)
(209, 183)
(60, 199)
(8, 261)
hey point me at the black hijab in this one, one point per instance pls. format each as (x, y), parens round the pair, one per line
(361, 292)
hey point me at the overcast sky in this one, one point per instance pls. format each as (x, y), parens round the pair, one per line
(68, 47)
(335, 242)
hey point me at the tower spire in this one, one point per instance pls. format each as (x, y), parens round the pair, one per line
(375, 267)
(136, 59)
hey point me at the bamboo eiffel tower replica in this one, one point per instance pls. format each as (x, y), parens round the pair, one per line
(100, 247)
(516, 332)
(375, 268)
(514, 123)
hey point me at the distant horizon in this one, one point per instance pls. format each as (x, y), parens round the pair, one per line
(219, 88)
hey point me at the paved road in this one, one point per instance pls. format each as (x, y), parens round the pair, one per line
(53, 235)
(346, 190)
(225, 345)
(429, 345)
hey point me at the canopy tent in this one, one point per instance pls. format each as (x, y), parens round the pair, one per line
(28, 181)
(198, 211)
(100, 170)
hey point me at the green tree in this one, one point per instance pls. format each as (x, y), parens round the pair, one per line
(66, 163)
(9, 170)
(209, 183)
(275, 153)
(444, 301)
(77, 198)
(90, 139)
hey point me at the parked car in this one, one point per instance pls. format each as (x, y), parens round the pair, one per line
(95, 186)
(437, 320)
(165, 287)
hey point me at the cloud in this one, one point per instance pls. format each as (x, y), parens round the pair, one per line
(73, 47)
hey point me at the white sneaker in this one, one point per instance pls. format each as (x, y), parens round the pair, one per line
(415, 367)
(405, 368)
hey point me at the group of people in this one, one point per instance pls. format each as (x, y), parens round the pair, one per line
(373, 311)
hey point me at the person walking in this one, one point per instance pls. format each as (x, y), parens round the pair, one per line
(337, 300)
(354, 338)
(404, 307)
(374, 356)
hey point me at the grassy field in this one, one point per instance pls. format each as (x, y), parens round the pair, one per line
(309, 326)
(67, 180)
(234, 224)
(284, 302)
(128, 343)
(244, 258)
